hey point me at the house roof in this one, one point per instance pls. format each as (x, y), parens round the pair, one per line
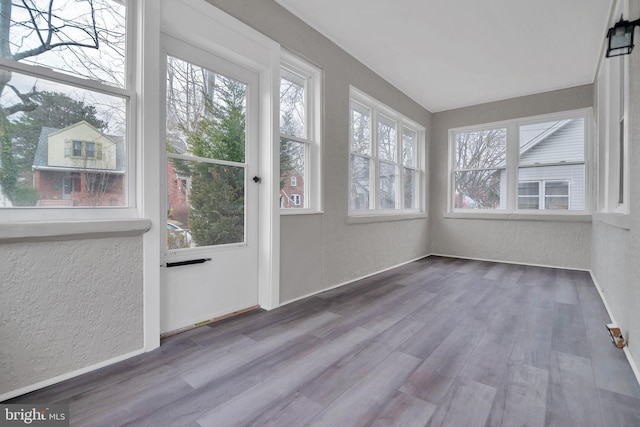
(41, 158)
(529, 139)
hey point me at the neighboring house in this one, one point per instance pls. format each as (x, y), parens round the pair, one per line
(79, 166)
(551, 166)
(292, 193)
(178, 195)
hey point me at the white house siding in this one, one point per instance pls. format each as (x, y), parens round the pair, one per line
(565, 145)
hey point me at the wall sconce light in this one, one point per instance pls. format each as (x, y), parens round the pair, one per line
(621, 38)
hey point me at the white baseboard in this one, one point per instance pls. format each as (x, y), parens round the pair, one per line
(67, 376)
(513, 262)
(632, 362)
(351, 281)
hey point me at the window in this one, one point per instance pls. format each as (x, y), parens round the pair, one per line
(84, 149)
(543, 195)
(386, 167)
(479, 168)
(67, 101)
(299, 136)
(526, 164)
(77, 148)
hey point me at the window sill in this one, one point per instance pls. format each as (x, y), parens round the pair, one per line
(40, 231)
(364, 219)
(510, 216)
(618, 220)
(287, 212)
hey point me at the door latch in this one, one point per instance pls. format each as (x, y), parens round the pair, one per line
(257, 179)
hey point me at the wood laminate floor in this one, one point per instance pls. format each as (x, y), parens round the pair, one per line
(438, 342)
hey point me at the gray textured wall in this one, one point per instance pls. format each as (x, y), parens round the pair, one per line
(66, 306)
(318, 251)
(561, 244)
(616, 251)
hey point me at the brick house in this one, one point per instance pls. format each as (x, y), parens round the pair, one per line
(177, 196)
(292, 192)
(79, 166)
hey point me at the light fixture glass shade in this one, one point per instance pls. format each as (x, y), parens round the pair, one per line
(620, 38)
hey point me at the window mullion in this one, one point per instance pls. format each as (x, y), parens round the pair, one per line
(375, 161)
(513, 155)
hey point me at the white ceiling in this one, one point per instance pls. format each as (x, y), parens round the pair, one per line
(450, 54)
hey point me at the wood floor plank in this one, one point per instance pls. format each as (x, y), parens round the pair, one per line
(525, 396)
(404, 410)
(284, 381)
(572, 399)
(338, 378)
(488, 362)
(569, 334)
(298, 410)
(364, 400)
(470, 405)
(195, 404)
(619, 409)
(533, 345)
(434, 376)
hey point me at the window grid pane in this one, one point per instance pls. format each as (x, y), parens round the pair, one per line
(409, 147)
(91, 36)
(292, 106)
(387, 178)
(410, 188)
(387, 144)
(292, 173)
(481, 189)
(481, 149)
(360, 129)
(360, 183)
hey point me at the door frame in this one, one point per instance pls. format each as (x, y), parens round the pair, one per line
(204, 26)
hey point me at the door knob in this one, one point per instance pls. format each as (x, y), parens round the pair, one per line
(257, 179)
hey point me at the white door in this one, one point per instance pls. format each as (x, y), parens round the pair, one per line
(210, 249)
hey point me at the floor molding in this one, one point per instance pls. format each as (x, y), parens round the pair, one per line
(68, 375)
(513, 262)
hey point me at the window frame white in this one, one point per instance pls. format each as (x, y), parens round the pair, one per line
(614, 166)
(312, 77)
(129, 95)
(512, 165)
(379, 109)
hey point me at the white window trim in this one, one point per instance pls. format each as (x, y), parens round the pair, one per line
(612, 83)
(131, 209)
(312, 76)
(379, 109)
(512, 156)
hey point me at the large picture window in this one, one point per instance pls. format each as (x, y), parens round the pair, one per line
(535, 164)
(300, 151)
(386, 167)
(64, 103)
